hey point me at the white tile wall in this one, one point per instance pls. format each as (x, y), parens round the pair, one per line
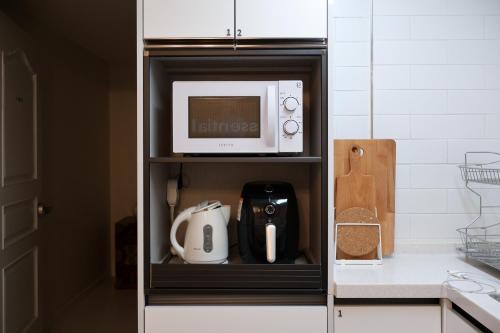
(492, 77)
(473, 102)
(351, 103)
(463, 201)
(350, 57)
(410, 101)
(352, 54)
(473, 7)
(395, 27)
(449, 77)
(466, 77)
(421, 151)
(430, 176)
(446, 27)
(352, 78)
(492, 27)
(391, 127)
(437, 226)
(403, 176)
(457, 148)
(436, 89)
(391, 77)
(409, 7)
(473, 52)
(402, 227)
(492, 126)
(447, 127)
(349, 127)
(355, 29)
(409, 52)
(349, 9)
(421, 201)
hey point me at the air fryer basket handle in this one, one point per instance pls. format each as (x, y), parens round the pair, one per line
(271, 242)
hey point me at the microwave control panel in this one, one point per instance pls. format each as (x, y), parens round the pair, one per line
(291, 125)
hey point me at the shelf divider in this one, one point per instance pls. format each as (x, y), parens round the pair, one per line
(236, 159)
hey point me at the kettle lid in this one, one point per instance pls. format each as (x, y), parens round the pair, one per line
(207, 205)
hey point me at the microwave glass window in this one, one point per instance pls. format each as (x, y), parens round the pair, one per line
(224, 117)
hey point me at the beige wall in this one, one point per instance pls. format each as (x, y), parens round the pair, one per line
(74, 108)
(123, 179)
(88, 149)
(75, 127)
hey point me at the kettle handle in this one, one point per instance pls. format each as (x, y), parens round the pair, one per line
(182, 217)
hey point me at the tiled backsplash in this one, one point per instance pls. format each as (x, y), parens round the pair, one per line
(436, 90)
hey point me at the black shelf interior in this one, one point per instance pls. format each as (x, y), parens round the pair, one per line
(222, 177)
(164, 70)
(236, 276)
(302, 274)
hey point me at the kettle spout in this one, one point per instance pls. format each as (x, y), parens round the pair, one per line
(226, 212)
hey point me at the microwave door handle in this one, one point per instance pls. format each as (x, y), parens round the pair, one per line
(272, 113)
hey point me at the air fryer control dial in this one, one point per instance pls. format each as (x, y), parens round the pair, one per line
(270, 210)
(290, 127)
(291, 104)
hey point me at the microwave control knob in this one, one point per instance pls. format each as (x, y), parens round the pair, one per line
(290, 127)
(291, 104)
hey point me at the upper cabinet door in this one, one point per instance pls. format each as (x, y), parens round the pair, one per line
(188, 19)
(281, 19)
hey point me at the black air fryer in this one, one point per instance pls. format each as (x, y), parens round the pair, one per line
(268, 229)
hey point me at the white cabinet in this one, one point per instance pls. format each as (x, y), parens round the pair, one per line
(241, 319)
(188, 19)
(387, 318)
(206, 19)
(281, 18)
(455, 323)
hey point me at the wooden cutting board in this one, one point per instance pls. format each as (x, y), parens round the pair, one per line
(356, 189)
(379, 160)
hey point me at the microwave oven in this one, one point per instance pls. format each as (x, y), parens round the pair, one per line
(237, 117)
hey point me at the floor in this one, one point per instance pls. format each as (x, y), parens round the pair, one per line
(103, 310)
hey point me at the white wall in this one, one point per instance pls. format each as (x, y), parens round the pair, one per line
(436, 89)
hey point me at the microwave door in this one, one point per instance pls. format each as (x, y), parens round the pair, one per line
(225, 117)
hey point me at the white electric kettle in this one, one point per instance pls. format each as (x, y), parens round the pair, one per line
(206, 240)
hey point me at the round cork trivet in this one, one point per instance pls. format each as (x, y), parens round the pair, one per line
(357, 240)
(357, 215)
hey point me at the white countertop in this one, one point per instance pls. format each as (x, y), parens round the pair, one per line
(422, 275)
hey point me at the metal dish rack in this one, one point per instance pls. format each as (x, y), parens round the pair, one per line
(481, 243)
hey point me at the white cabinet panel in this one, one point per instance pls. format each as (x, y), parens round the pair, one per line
(281, 18)
(456, 324)
(241, 319)
(388, 319)
(188, 19)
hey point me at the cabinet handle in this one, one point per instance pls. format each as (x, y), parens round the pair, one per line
(228, 33)
(239, 33)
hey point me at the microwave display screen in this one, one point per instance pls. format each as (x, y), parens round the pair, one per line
(224, 117)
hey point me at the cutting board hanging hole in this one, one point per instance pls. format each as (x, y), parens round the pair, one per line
(358, 151)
